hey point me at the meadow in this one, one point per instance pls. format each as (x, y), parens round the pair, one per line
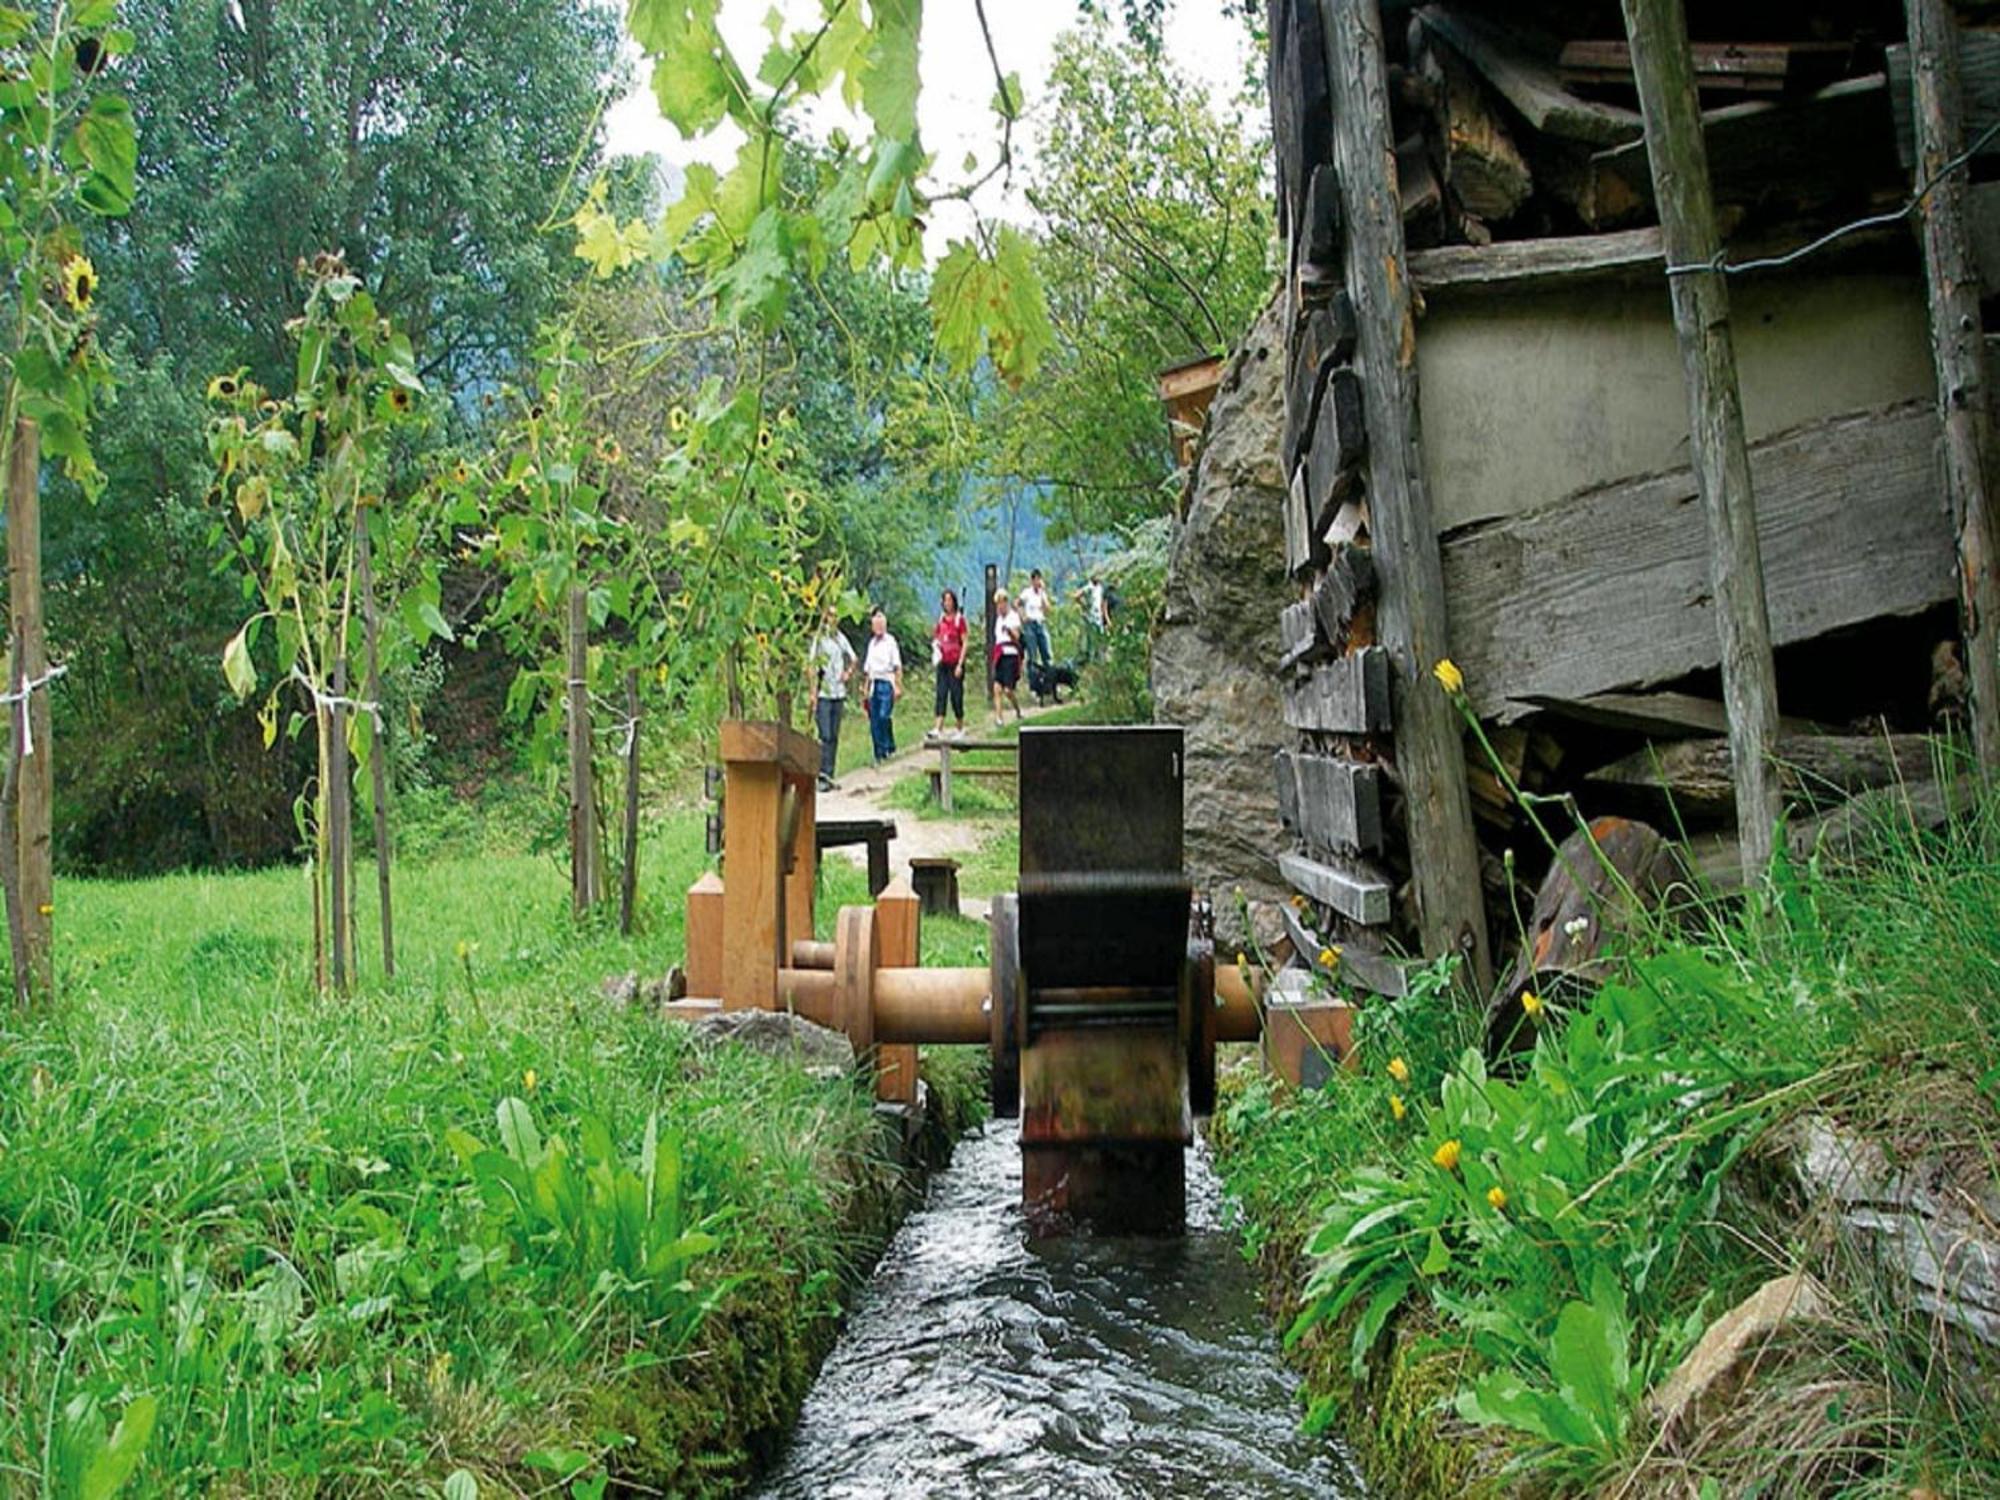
(476, 1227)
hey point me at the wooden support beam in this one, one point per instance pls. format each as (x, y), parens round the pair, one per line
(703, 929)
(1958, 352)
(1355, 890)
(1347, 696)
(1678, 156)
(1814, 771)
(1979, 93)
(897, 915)
(1430, 751)
(1531, 265)
(800, 857)
(753, 912)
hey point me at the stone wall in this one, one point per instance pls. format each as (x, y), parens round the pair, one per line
(1218, 632)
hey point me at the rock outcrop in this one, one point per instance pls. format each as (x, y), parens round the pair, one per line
(1218, 634)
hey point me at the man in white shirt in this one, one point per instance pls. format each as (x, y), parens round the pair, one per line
(882, 667)
(833, 659)
(1035, 620)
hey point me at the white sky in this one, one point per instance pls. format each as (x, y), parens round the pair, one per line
(954, 111)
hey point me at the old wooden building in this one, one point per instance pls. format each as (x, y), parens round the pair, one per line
(1492, 446)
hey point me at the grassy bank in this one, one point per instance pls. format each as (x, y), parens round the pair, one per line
(1492, 1272)
(476, 1219)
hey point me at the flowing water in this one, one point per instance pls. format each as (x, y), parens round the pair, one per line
(977, 1364)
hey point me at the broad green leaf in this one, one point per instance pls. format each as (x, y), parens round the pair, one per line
(104, 136)
(889, 74)
(460, 1485)
(237, 669)
(518, 1136)
(119, 1458)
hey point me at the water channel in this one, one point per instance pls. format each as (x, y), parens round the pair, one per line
(977, 1364)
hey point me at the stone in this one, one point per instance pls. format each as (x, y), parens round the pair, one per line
(1217, 644)
(1735, 1339)
(778, 1033)
(621, 989)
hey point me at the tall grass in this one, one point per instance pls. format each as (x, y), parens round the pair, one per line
(260, 1217)
(1599, 1205)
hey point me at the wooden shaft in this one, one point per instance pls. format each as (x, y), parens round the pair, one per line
(378, 746)
(911, 1005)
(1958, 353)
(1430, 738)
(1678, 156)
(1238, 1016)
(28, 929)
(807, 954)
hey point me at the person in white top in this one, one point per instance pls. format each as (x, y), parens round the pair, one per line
(882, 667)
(1035, 620)
(833, 661)
(1006, 655)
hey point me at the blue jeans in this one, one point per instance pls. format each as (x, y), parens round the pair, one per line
(826, 718)
(1035, 637)
(882, 718)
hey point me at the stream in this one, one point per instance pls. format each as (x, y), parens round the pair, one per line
(976, 1364)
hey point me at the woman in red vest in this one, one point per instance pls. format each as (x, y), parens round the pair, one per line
(948, 652)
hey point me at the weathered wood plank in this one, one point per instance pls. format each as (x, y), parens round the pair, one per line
(1346, 696)
(1430, 750)
(1319, 232)
(1376, 972)
(1339, 804)
(1662, 715)
(1287, 783)
(1529, 265)
(1979, 89)
(1528, 83)
(1852, 523)
(1696, 776)
(1322, 341)
(1306, 80)
(1303, 549)
(1339, 440)
(1347, 584)
(1300, 637)
(1354, 889)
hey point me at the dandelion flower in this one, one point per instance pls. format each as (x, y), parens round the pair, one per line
(1329, 958)
(1447, 1155)
(1242, 960)
(1497, 1196)
(79, 282)
(1531, 1002)
(1399, 1070)
(528, 1080)
(1449, 677)
(677, 419)
(1298, 902)
(1397, 1107)
(463, 950)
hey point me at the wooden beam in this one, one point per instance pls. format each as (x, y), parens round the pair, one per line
(1815, 771)
(1530, 265)
(1678, 157)
(753, 896)
(1958, 352)
(1661, 715)
(1430, 751)
(1528, 83)
(1979, 93)
(1376, 972)
(772, 743)
(1348, 696)
(897, 915)
(1355, 890)
(1853, 524)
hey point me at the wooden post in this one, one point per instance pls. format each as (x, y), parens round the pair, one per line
(897, 914)
(702, 930)
(1678, 156)
(1958, 351)
(800, 859)
(628, 878)
(582, 800)
(31, 789)
(339, 834)
(378, 746)
(992, 624)
(944, 777)
(1429, 735)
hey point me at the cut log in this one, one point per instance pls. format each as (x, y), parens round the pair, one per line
(1484, 169)
(1348, 696)
(1851, 518)
(1339, 803)
(1352, 888)
(1694, 777)
(1529, 83)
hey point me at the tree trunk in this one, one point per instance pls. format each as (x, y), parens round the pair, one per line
(1678, 156)
(378, 749)
(340, 836)
(25, 845)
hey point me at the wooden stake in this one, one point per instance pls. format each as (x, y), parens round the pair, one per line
(582, 803)
(23, 532)
(628, 877)
(1958, 352)
(897, 914)
(1678, 156)
(378, 749)
(1429, 735)
(339, 835)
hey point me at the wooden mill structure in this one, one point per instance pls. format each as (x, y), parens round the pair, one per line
(1635, 368)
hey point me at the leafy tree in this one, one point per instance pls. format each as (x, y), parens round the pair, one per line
(1153, 250)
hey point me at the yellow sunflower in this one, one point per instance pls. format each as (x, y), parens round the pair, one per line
(79, 282)
(399, 397)
(677, 419)
(224, 388)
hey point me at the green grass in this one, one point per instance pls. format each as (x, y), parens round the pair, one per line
(1643, 1194)
(257, 1213)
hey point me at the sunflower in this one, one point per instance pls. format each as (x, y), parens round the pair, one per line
(399, 397)
(677, 419)
(79, 282)
(609, 451)
(461, 472)
(763, 440)
(224, 388)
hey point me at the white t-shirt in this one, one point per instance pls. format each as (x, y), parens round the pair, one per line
(1096, 606)
(884, 659)
(834, 657)
(1007, 630)
(1034, 603)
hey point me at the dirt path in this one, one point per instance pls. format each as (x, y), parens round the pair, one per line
(863, 793)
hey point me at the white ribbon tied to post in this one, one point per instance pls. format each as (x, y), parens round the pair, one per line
(22, 694)
(323, 700)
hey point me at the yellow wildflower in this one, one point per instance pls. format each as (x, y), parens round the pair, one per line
(463, 951)
(677, 419)
(1329, 958)
(1449, 677)
(1531, 1002)
(399, 397)
(1399, 1070)
(1397, 1107)
(461, 472)
(1242, 960)
(1497, 1196)
(79, 282)
(1298, 902)
(1447, 1155)
(528, 1080)
(46, 909)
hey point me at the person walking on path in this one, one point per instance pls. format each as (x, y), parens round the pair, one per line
(882, 667)
(1006, 656)
(1095, 622)
(1035, 620)
(833, 658)
(948, 652)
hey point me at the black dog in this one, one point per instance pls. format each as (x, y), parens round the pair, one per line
(1046, 682)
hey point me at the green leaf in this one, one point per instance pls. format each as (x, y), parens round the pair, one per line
(104, 135)
(518, 1136)
(1369, 1327)
(237, 669)
(1588, 1360)
(1437, 1260)
(460, 1485)
(695, 79)
(889, 75)
(434, 620)
(117, 1460)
